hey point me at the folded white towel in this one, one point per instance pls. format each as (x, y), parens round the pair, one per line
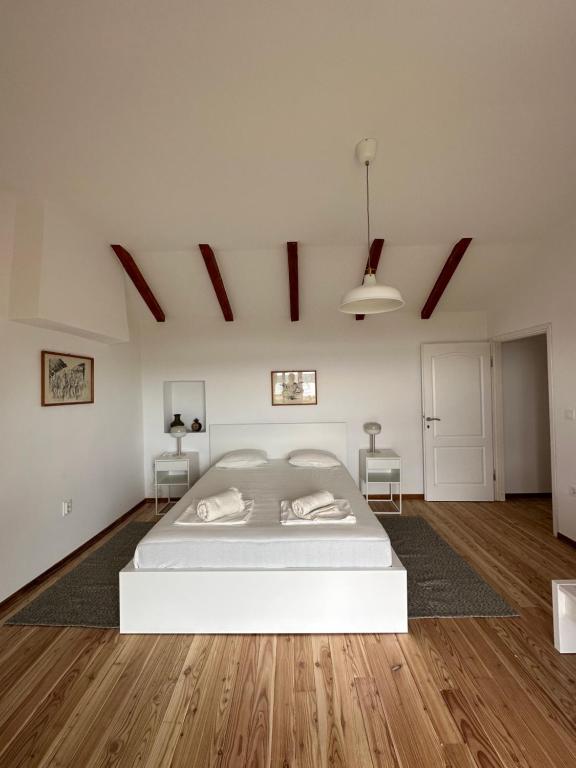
(212, 508)
(190, 516)
(303, 506)
(334, 514)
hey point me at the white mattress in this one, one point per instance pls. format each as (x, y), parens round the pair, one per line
(263, 542)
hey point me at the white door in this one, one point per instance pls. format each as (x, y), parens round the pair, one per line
(457, 422)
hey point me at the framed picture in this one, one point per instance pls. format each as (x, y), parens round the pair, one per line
(294, 388)
(67, 379)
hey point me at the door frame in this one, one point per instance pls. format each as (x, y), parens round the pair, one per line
(498, 411)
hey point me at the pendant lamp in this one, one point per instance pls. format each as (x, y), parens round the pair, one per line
(371, 298)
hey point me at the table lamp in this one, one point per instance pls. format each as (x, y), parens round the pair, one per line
(179, 435)
(372, 428)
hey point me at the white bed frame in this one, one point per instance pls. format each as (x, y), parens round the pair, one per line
(266, 601)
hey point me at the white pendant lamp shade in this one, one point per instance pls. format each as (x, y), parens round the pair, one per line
(371, 298)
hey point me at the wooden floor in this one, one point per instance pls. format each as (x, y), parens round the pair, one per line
(453, 692)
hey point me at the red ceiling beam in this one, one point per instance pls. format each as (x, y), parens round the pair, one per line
(373, 261)
(292, 249)
(133, 272)
(445, 276)
(217, 282)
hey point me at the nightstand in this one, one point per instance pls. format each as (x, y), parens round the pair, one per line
(381, 472)
(171, 472)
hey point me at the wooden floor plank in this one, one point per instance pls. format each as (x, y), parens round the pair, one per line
(123, 696)
(259, 736)
(480, 714)
(474, 734)
(219, 724)
(328, 700)
(459, 756)
(196, 733)
(283, 752)
(51, 715)
(430, 689)
(127, 740)
(470, 701)
(19, 703)
(541, 745)
(307, 732)
(12, 639)
(26, 656)
(304, 664)
(169, 732)
(413, 735)
(551, 690)
(121, 670)
(345, 665)
(382, 749)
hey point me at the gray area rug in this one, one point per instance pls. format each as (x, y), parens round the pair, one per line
(440, 582)
(87, 596)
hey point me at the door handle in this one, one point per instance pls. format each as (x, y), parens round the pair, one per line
(432, 418)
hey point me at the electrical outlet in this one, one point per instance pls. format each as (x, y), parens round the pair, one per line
(66, 507)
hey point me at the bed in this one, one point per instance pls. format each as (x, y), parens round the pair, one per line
(263, 577)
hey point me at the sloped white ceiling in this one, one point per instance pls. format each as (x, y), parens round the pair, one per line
(174, 122)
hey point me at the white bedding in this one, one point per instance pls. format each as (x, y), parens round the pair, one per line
(263, 542)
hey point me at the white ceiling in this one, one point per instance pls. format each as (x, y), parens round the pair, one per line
(173, 122)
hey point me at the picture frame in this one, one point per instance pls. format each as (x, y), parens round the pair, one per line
(294, 388)
(66, 379)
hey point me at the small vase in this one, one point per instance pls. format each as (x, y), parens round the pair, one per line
(196, 426)
(177, 425)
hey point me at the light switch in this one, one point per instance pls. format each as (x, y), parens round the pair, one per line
(570, 414)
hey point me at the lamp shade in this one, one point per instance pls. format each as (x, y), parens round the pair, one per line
(371, 298)
(372, 428)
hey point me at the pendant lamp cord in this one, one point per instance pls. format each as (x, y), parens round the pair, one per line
(368, 214)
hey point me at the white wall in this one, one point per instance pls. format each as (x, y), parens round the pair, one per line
(367, 370)
(7, 224)
(362, 375)
(526, 415)
(89, 453)
(524, 285)
(64, 275)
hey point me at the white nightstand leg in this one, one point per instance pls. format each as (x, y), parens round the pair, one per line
(367, 486)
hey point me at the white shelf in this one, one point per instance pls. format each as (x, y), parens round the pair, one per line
(383, 477)
(172, 478)
(188, 398)
(564, 610)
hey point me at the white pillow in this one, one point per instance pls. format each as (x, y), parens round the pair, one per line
(242, 459)
(313, 458)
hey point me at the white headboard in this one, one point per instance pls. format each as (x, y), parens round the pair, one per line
(279, 439)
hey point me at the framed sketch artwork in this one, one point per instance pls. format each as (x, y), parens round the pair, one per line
(294, 388)
(67, 379)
